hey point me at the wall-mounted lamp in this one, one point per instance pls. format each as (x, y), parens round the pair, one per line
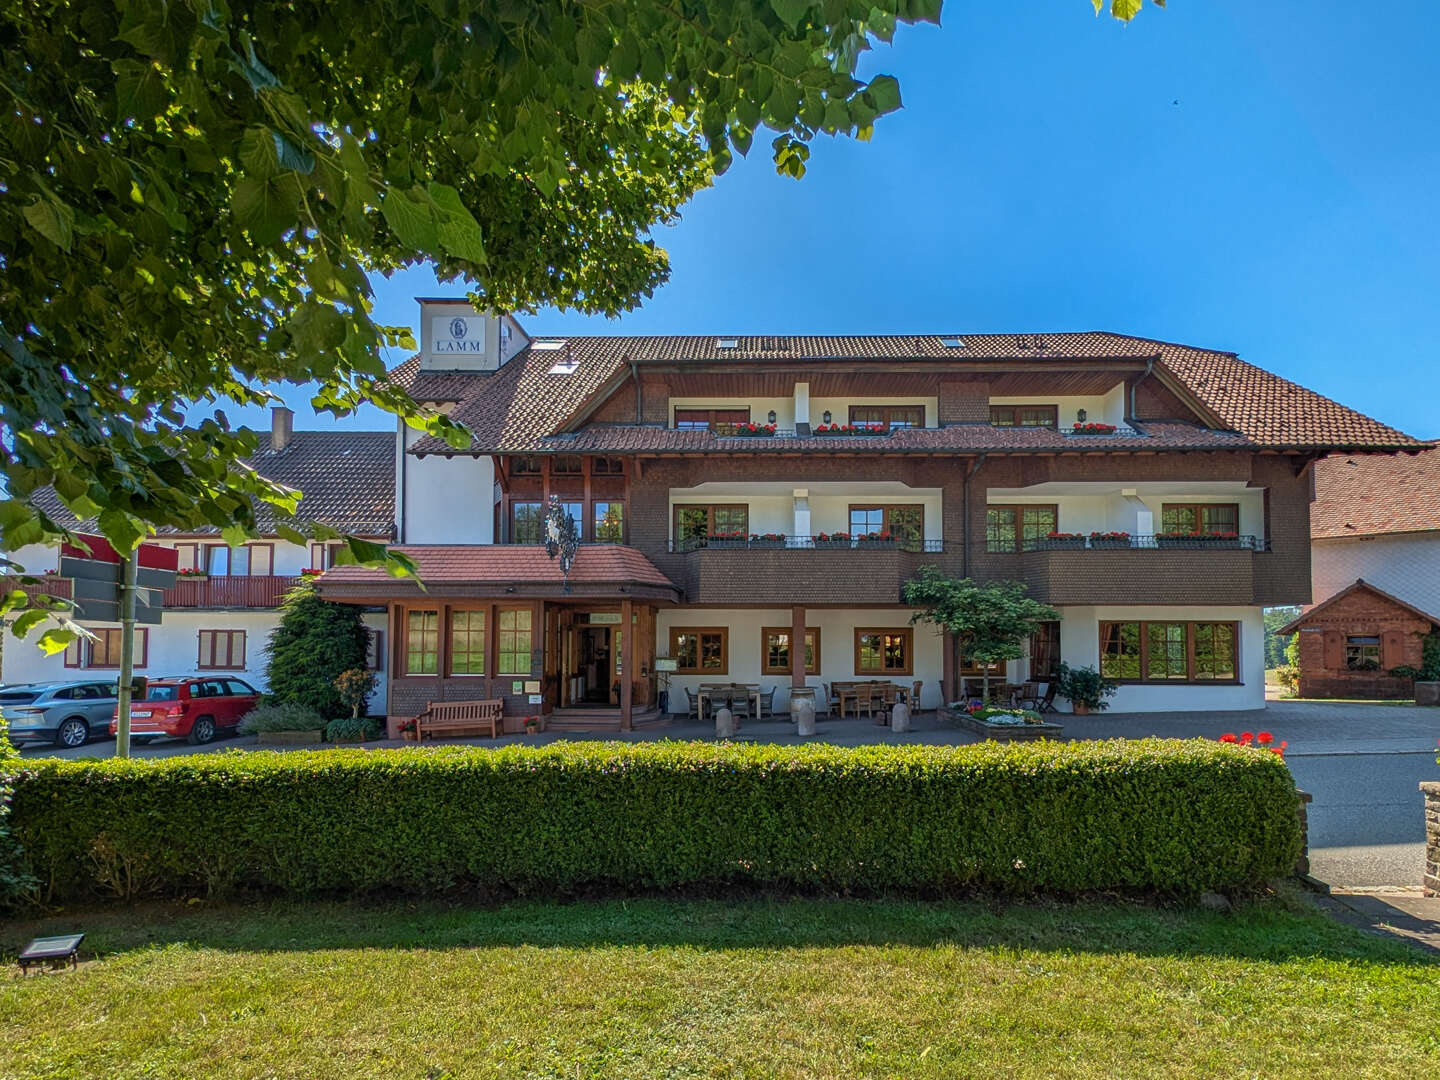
(1080, 415)
(772, 416)
(827, 416)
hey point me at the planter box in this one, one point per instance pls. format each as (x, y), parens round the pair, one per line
(1195, 543)
(1110, 545)
(850, 434)
(1005, 732)
(1063, 543)
(289, 738)
(834, 545)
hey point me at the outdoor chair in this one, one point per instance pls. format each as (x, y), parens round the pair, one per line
(767, 703)
(740, 703)
(866, 701)
(1032, 697)
(693, 701)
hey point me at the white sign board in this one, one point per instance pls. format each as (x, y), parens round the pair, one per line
(457, 335)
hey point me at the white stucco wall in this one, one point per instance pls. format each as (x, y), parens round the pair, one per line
(1111, 511)
(837, 648)
(1406, 565)
(1106, 408)
(759, 407)
(1080, 647)
(829, 511)
(447, 500)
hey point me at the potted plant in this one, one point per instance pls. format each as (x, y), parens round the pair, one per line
(408, 730)
(852, 429)
(767, 540)
(833, 540)
(1064, 541)
(1093, 429)
(1085, 688)
(192, 573)
(747, 430)
(726, 540)
(876, 539)
(1197, 539)
(283, 724)
(1108, 541)
(532, 725)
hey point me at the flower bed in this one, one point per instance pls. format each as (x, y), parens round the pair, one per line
(1002, 724)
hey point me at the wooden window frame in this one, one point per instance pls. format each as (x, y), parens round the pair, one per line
(322, 556)
(906, 632)
(1378, 645)
(402, 643)
(595, 521)
(709, 509)
(214, 650)
(1019, 509)
(699, 631)
(1015, 410)
(142, 648)
(886, 525)
(500, 651)
(885, 411)
(1199, 509)
(510, 521)
(269, 550)
(767, 632)
(604, 465)
(375, 650)
(526, 465)
(693, 416)
(451, 610)
(1144, 642)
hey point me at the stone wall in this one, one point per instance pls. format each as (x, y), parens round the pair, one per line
(1432, 837)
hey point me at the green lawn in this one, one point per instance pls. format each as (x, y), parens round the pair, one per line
(720, 989)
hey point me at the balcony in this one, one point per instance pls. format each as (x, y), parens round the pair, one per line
(838, 541)
(1137, 570)
(796, 569)
(257, 591)
(1126, 542)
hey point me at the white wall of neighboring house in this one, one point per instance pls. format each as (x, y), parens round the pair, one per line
(446, 500)
(1406, 565)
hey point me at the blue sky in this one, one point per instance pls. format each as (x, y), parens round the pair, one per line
(1254, 177)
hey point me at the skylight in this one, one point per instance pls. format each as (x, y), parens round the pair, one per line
(953, 342)
(548, 346)
(727, 343)
(565, 367)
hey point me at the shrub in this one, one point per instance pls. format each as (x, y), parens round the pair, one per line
(315, 641)
(276, 716)
(1289, 678)
(15, 882)
(355, 687)
(1167, 816)
(352, 728)
(1084, 686)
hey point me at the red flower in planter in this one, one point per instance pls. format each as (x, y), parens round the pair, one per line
(1264, 738)
(1229, 737)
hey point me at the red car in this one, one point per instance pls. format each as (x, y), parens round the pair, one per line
(193, 709)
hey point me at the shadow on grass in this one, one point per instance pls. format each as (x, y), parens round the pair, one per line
(1271, 931)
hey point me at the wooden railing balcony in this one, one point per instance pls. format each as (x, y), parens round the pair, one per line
(253, 591)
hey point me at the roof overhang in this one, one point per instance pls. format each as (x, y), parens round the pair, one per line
(1361, 585)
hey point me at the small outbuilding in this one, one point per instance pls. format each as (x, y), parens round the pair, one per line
(1351, 642)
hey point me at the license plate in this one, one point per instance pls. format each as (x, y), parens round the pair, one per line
(139, 712)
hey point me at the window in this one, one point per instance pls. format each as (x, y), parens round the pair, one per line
(607, 466)
(1045, 651)
(1018, 528)
(883, 652)
(1173, 652)
(238, 688)
(890, 416)
(375, 651)
(904, 523)
(467, 642)
(222, 650)
(717, 420)
(187, 556)
(525, 466)
(693, 524)
(527, 522)
(75, 653)
(1025, 415)
(1206, 518)
(221, 561)
(608, 519)
(262, 559)
(422, 642)
(566, 465)
(104, 651)
(1362, 653)
(514, 641)
(323, 556)
(700, 650)
(775, 658)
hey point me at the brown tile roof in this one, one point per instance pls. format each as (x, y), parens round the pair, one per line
(1368, 496)
(502, 564)
(515, 409)
(1361, 585)
(348, 480)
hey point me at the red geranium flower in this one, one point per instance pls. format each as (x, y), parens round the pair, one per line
(1264, 738)
(1229, 737)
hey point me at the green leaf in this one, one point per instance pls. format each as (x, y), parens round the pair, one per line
(267, 208)
(1125, 10)
(790, 11)
(412, 221)
(120, 529)
(291, 534)
(57, 641)
(53, 220)
(28, 621)
(459, 232)
(884, 94)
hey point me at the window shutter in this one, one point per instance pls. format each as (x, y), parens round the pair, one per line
(1334, 651)
(1392, 649)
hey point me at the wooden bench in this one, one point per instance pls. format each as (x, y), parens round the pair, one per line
(453, 717)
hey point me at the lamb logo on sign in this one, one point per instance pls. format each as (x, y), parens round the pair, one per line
(458, 334)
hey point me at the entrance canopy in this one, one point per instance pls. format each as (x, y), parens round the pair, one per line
(610, 571)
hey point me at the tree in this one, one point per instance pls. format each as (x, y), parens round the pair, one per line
(1275, 618)
(314, 644)
(195, 192)
(991, 622)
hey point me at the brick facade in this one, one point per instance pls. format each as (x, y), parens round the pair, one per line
(1361, 612)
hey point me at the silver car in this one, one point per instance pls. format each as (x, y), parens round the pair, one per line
(68, 714)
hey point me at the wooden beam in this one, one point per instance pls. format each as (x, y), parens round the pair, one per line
(627, 663)
(797, 646)
(501, 473)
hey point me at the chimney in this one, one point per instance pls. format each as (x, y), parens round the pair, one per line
(282, 427)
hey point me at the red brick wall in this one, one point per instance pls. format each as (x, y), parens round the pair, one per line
(1360, 614)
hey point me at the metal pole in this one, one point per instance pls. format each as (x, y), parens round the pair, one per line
(127, 653)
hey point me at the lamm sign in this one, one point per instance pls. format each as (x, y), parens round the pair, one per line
(457, 334)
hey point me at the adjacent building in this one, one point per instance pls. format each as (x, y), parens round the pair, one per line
(219, 615)
(1375, 529)
(751, 506)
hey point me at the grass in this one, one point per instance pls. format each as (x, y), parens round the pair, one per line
(742, 989)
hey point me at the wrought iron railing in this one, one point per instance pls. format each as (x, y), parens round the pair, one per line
(818, 542)
(1157, 542)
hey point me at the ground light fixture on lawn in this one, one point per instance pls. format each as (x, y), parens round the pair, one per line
(52, 952)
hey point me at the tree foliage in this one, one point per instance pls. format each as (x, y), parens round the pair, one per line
(314, 644)
(991, 622)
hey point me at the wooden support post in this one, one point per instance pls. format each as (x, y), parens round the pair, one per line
(949, 691)
(627, 662)
(797, 646)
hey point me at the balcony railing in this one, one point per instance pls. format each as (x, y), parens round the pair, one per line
(1159, 542)
(49, 586)
(819, 542)
(255, 591)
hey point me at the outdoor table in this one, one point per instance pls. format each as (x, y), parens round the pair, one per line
(728, 692)
(51, 950)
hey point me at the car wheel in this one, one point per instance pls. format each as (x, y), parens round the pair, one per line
(202, 731)
(71, 733)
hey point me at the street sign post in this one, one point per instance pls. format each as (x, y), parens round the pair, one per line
(109, 586)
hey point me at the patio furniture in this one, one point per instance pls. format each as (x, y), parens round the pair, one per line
(693, 705)
(889, 694)
(740, 703)
(453, 717)
(866, 701)
(1032, 697)
(767, 703)
(914, 701)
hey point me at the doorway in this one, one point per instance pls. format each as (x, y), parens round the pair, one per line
(595, 663)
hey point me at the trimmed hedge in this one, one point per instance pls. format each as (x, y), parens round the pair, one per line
(1168, 816)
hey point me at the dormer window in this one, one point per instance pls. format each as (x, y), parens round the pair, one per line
(1046, 416)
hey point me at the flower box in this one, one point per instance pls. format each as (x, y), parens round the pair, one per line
(1093, 429)
(852, 429)
(1193, 541)
(1058, 541)
(1109, 541)
(833, 541)
(746, 431)
(767, 540)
